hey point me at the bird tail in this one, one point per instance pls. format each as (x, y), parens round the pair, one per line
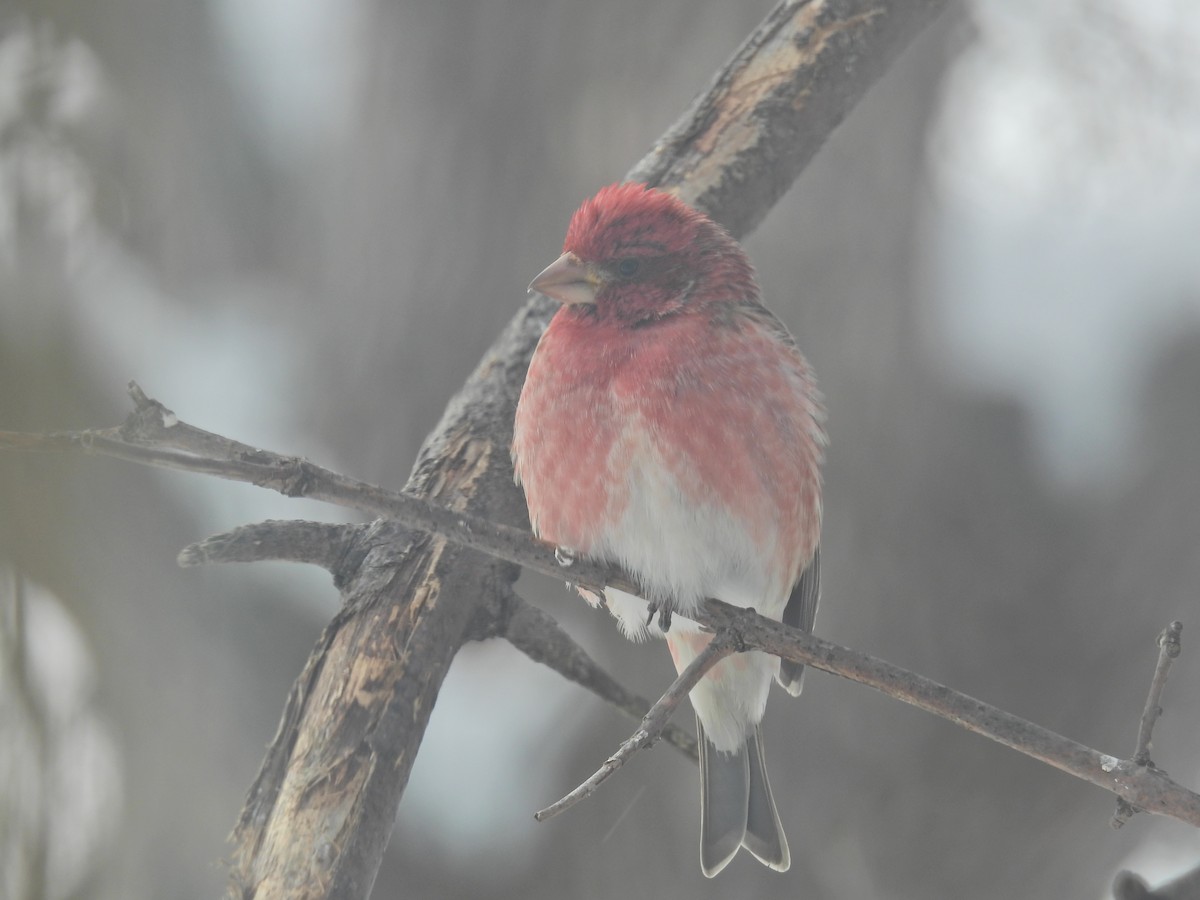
(736, 806)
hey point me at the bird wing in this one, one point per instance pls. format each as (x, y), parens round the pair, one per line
(801, 612)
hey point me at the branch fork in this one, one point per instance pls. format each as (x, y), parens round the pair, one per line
(724, 643)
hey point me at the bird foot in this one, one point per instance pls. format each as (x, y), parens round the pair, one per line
(664, 613)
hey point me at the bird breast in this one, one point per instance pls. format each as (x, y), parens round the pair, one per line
(688, 464)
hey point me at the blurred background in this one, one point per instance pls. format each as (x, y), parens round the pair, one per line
(300, 223)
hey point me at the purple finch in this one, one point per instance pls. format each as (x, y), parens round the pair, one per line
(668, 424)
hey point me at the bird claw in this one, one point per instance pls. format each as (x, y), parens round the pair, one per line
(664, 613)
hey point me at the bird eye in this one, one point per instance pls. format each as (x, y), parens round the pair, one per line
(628, 267)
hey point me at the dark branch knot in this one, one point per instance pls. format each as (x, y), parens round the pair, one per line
(148, 420)
(299, 479)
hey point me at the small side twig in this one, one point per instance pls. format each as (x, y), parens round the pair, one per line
(1168, 651)
(1169, 647)
(543, 640)
(724, 643)
(321, 544)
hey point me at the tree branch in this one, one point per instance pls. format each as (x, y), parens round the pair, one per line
(1144, 786)
(1136, 782)
(773, 105)
(529, 629)
(318, 543)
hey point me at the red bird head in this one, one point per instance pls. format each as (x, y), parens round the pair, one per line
(636, 254)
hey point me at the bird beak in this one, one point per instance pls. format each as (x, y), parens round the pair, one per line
(568, 280)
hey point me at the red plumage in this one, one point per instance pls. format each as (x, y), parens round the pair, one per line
(669, 424)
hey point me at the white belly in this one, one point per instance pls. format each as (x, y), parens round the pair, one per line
(684, 549)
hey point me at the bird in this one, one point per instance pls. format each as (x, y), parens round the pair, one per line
(668, 424)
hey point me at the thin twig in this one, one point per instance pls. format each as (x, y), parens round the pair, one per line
(1144, 786)
(543, 640)
(1168, 651)
(1169, 647)
(723, 644)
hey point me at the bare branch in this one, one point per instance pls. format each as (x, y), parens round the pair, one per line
(152, 428)
(778, 100)
(1168, 650)
(526, 627)
(1146, 787)
(319, 543)
(1169, 647)
(539, 637)
(1138, 784)
(296, 477)
(724, 643)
